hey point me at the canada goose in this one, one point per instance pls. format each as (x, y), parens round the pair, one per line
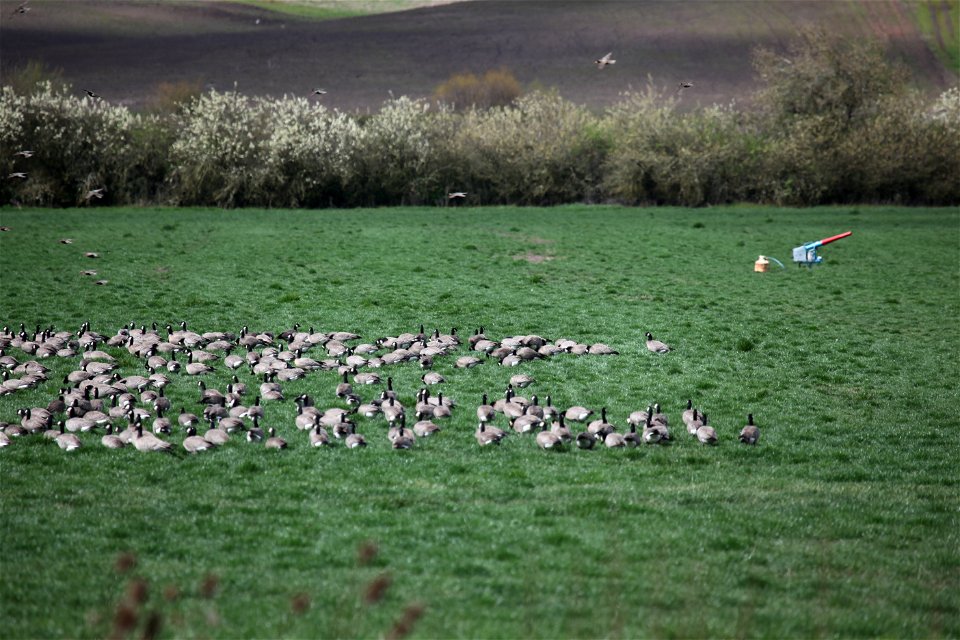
(4, 440)
(161, 424)
(216, 436)
(687, 415)
(549, 411)
(655, 345)
(683, 84)
(586, 440)
(614, 440)
(67, 441)
(706, 434)
(486, 412)
(632, 438)
(560, 428)
(750, 433)
(344, 388)
(466, 362)
(255, 433)
(548, 439)
(254, 410)
(273, 442)
(186, 419)
(600, 349)
(527, 423)
(230, 424)
(695, 422)
(319, 92)
(658, 417)
(456, 195)
(196, 368)
(18, 174)
(319, 437)
(111, 441)
(604, 61)
(432, 378)
(148, 442)
(194, 443)
(392, 411)
(403, 439)
(425, 428)
(652, 433)
(355, 440)
(486, 437)
(92, 94)
(305, 419)
(534, 408)
(26, 153)
(601, 428)
(521, 381)
(577, 413)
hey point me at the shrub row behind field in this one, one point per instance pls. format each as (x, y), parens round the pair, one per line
(834, 124)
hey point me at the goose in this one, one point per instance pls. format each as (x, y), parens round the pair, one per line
(194, 443)
(683, 84)
(210, 396)
(392, 411)
(111, 441)
(51, 434)
(632, 438)
(78, 423)
(521, 381)
(26, 153)
(432, 378)
(750, 433)
(639, 418)
(706, 434)
(527, 423)
(486, 412)
(534, 408)
(652, 433)
(403, 439)
(319, 437)
(17, 174)
(67, 441)
(687, 415)
(466, 362)
(548, 439)
(549, 411)
(425, 428)
(254, 410)
(456, 195)
(161, 424)
(4, 439)
(659, 417)
(186, 419)
(614, 440)
(216, 436)
(600, 349)
(273, 442)
(91, 94)
(255, 433)
(305, 419)
(586, 440)
(369, 410)
(196, 368)
(344, 388)
(695, 422)
(146, 442)
(560, 428)
(604, 61)
(355, 440)
(655, 345)
(601, 428)
(577, 413)
(486, 436)
(343, 428)
(230, 424)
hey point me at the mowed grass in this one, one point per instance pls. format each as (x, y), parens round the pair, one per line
(843, 521)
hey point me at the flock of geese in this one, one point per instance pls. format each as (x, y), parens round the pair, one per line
(134, 410)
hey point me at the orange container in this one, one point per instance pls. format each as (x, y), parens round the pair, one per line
(760, 266)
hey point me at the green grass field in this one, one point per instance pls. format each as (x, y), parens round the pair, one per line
(843, 521)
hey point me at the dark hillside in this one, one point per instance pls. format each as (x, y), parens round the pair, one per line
(124, 49)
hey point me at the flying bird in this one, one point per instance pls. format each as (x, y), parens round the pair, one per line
(319, 92)
(93, 193)
(4, 228)
(22, 9)
(26, 153)
(683, 85)
(101, 282)
(604, 61)
(454, 195)
(66, 241)
(18, 174)
(88, 272)
(91, 254)
(92, 94)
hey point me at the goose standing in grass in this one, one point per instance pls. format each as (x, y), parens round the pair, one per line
(696, 421)
(147, 442)
(274, 442)
(486, 412)
(655, 345)
(632, 438)
(319, 437)
(586, 440)
(750, 434)
(705, 433)
(196, 368)
(111, 441)
(601, 428)
(560, 428)
(577, 413)
(652, 433)
(403, 439)
(687, 415)
(216, 436)
(186, 419)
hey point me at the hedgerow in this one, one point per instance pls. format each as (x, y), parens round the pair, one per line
(833, 123)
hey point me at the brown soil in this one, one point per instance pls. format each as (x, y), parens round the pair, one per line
(123, 49)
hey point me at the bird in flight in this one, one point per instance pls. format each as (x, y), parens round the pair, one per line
(604, 61)
(456, 194)
(92, 94)
(319, 92)
(93, 193)
(22, 9)
(26, 153)
(683, 84)
(18, 174)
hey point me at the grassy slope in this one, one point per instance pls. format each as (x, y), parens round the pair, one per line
(842, 522)
(938, 21)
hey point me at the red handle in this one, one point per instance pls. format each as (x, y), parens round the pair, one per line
(836, 237)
